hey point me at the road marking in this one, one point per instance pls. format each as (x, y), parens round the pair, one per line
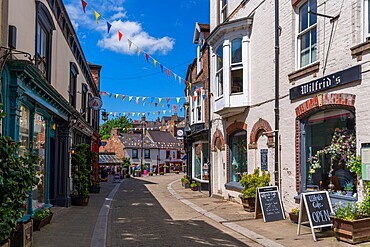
(99, 238)
(233, 226)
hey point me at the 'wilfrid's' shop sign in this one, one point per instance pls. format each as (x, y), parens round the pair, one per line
(337, 79)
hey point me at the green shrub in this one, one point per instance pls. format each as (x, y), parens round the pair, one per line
(250, 182)
(80, 170)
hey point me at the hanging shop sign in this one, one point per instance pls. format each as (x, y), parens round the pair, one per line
(95, 103)
(316, 207)
(324, 83)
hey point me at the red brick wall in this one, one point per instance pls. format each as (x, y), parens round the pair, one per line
(261, 125)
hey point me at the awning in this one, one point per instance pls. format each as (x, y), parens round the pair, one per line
(109, 159)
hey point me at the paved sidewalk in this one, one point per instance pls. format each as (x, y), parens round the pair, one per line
(233, 216)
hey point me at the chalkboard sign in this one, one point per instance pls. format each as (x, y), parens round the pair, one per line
(269, 203)
(264, 160)
(317, 206)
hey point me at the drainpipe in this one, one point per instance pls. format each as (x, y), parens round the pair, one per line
(277, 93)
(209, 128)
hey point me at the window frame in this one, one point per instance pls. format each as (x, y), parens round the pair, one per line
(223, 10)
(146, 153)
(73, 84)
(236, 66)
(44, 21)
(366, 20)
(135, 153)
(219, 71)
(307, 31)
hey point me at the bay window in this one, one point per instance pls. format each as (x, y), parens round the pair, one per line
(219, 71)
(236, 66)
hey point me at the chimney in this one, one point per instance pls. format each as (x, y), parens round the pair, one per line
(95, 71)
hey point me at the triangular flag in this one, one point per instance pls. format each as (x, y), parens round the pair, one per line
(159, 112)
(164, 111)
(175, 76)
(159, 100)
(167, 99)
(186, 107)
(123, 97)
(162, 105)
(180, 79)
(97, 15)
(203, 96)
(129, 43)
(143, 99)
(147, 57)
(109, 26)
(168, 105)
(116, 96)
(155, 104)
(138, 51)
(133, 114)
(195, 98)
(129, 98)
(174, 108)
(168, 72)
(119, 36)
(162, 68)
(137, 100)
(151, 99)
(199, 90)
(178, 99)
(155, 63)
(109, 94)
(84, 4)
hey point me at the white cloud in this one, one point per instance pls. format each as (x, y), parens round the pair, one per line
(133, 31)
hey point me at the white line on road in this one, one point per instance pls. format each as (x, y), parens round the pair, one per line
(99, 238)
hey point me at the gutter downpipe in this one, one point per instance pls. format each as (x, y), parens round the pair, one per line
(209, 128)
(276, 109)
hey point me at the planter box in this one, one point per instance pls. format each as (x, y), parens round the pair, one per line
(22, 235)
(80, 200)
(95, 189)
(354, 231)
(5, 244)
(249, 204)
(293, 217)
(38, 224)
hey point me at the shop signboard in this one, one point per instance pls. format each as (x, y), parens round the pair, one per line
(269, 203)
(365, 159)
(316, 206)
(326, 82)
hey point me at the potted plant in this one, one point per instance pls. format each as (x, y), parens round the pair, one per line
(17, 176)
(41, 217)
(80, 176)
(194, 186)
(250, 182)
(150, 173)
(351, 221)
(348, 188)
(95, 184)
(161, 173)
(294, 214)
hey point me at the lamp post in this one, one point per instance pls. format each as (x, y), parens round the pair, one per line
(104, 115)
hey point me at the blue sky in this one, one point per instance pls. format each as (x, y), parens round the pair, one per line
(163, 29)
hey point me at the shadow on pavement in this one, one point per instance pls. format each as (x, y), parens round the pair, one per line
(137, 219)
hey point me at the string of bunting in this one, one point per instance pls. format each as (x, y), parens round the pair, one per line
(138, 49)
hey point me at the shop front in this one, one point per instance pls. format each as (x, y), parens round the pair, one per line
(37, 116)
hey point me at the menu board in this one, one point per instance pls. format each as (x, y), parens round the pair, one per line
(270, 204)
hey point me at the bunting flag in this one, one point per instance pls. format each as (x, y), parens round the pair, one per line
(203, 96)
(174, 75)
(129, 44)
(116, 96)
(159, 100)
(162, 105)
(119, 36)
(97, 15)
(186, 107)
(195, 98)
(129, 99)
(123, 97)
(168, 73)
(164, 111)
(177, 99)
(137, 100)
(143, 99)
(155, 63)
(159, 112)
(155, 104)
(168, 106)
(174, 108)
(167, 99)
(109, 26)
(84, 4)
(147, 57)
(138, 51)
(162, 68)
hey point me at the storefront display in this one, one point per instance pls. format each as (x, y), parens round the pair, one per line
(238, 155)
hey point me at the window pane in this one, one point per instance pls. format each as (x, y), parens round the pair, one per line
(220, 84)
(305, 49)
(39, 146)
(303, 17)
(24, 130)
(313, 8)
(219, 57)
(237, 81)
(198, 160)
(368, 17)
(236, 51)
(313, 45)
(238, 155)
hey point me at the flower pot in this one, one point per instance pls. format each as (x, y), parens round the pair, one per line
(38, 224)
(349, 193)
(22, 235)
(79, 200)
(194, 188)
(187, 186)
(352, 231)
(249, 204)
(95, 189)
(293, 217)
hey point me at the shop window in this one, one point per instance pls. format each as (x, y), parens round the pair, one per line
(147, 153)
(39, 146)
(24, 130)
(328, 137)
(236, 66)
(135, 154)
(200, 161)
(307, 34)
(219, 71)
(238, 155)
(44, 31)
(168, 154)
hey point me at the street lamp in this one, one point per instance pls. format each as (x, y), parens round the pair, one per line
(104, 115)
